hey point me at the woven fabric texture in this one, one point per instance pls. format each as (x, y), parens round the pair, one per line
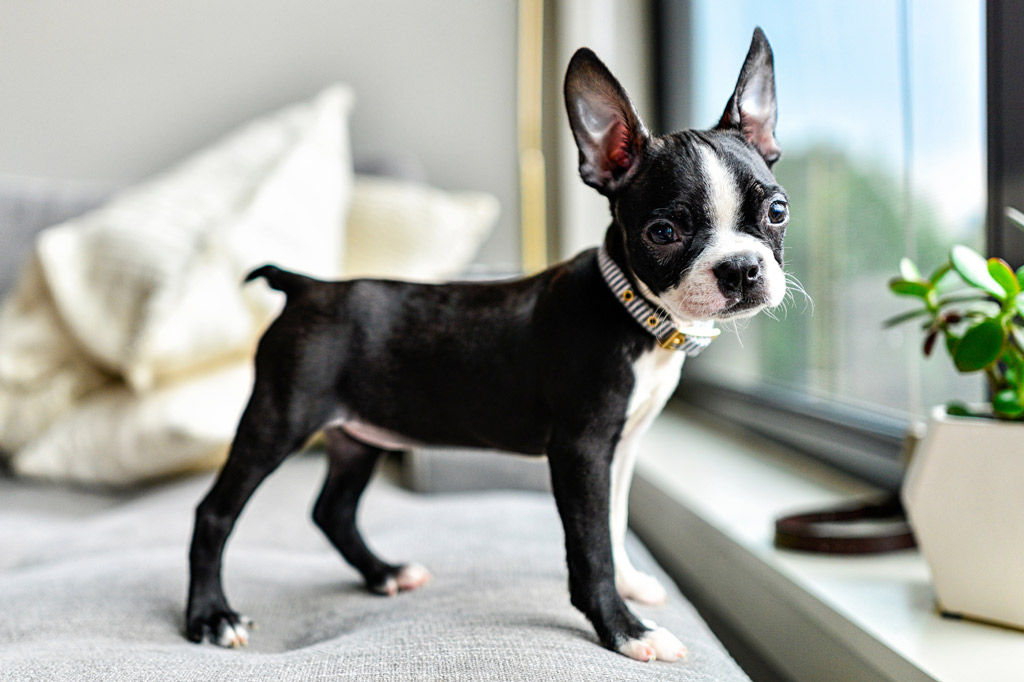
(92, 587)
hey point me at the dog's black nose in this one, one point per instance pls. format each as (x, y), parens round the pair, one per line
(738, 274)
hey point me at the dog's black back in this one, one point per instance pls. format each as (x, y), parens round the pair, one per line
(487, 365)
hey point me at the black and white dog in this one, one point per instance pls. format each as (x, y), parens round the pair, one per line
(574, 362)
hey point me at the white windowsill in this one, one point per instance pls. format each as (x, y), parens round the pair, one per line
(706, 501)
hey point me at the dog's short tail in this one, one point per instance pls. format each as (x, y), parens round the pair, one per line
(282, 280)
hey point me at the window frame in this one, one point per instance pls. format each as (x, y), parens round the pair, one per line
(861, 441)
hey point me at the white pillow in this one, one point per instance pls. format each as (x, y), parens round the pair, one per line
(117, 437)
(42, 372)
(149, 284)
(405, 230)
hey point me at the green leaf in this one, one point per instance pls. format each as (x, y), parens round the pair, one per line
(1020, 304)
(906, 287)
(958, 410)
(939, 273)
(904, 317)
(908, 270)
(1006, 403)
(973, 268)
(1003, 274)
(1020, 276)
(1014, 361)
(980, 346)
(952, 343)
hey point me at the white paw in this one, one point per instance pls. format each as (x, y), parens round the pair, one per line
(412, 576)
(408, 577)
(640, 587)
(236, 635)
(658, 644)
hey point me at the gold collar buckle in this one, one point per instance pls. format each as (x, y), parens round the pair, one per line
(676, 340)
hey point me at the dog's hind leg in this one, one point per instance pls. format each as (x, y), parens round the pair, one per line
(266, 435)
(351, 465)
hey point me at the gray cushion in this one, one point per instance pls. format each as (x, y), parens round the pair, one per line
(92, 586)
(445, 470)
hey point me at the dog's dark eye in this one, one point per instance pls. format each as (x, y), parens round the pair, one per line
(778, 212)
(662, 233)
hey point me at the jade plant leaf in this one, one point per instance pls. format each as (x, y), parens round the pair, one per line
(940, 272)
(952, 343)
(1007, 403)
(907, 287)
(980, 346)
(958, 409)
(908, 270)
(974, 269)
(1003, 274)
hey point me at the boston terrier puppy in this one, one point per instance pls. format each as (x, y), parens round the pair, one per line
(574, 362)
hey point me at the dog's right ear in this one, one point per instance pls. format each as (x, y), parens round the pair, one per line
(608, 131)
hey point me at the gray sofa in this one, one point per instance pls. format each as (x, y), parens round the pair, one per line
(92, 582)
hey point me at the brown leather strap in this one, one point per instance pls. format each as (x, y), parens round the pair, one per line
(866, 528)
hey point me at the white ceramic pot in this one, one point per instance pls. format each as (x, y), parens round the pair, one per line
(964, 495)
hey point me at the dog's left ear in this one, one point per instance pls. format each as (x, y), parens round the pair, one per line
(752, 109)
(609, 133)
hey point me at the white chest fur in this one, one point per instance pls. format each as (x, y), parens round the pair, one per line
(655, 376)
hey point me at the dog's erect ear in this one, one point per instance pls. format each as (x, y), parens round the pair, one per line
(752, 109)
(609, 133)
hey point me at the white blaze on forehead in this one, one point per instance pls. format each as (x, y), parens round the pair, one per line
(723, 194)
(698, 295)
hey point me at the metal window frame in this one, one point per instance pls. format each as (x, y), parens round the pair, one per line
(1004, 52)
(863, 442)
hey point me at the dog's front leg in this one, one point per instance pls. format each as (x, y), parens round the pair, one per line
(580, 478)
(631, 583)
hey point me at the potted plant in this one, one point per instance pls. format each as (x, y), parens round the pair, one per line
(964, 489)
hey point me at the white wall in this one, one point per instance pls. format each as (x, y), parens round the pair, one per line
(618, 31)
(114, 90)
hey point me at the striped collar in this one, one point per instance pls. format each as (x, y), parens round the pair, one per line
(691, 338)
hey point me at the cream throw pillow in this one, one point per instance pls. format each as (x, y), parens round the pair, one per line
(149, 285)
(118, 437)
(42, 371)
(405, 230)
(125, 351)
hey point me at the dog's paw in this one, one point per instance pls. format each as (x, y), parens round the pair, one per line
(406, 577)
(640, 587)
(224, 628)
(657, 644)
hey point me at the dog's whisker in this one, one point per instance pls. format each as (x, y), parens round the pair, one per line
(794, 284)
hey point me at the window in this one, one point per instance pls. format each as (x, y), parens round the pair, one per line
(883, 128)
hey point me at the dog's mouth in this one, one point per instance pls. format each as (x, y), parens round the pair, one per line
(740, 309)
(743, 307)
(725, 307)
